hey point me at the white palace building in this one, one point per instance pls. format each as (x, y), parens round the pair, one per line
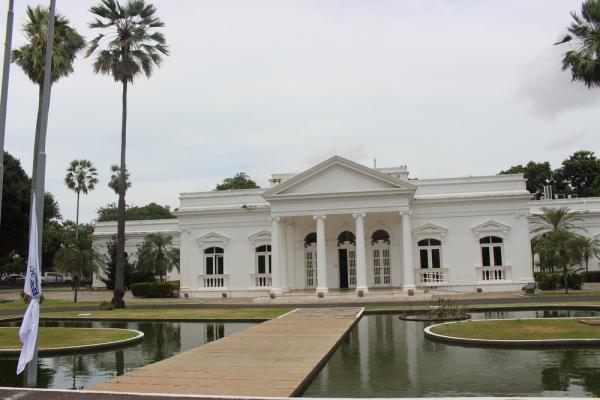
(343, 226)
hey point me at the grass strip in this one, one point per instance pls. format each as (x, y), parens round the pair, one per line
(162, 313)
(530, 329)
(20, 305)
(64, 337)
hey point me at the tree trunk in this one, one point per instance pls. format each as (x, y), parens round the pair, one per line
(119, 292)
(565, 280)
(587, 259)
(76, 286)
(77, 218)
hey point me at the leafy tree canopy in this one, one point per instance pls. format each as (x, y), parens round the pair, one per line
(135, 213)
(157, 255)
(538, 174)
(14, 230)
(239, 181)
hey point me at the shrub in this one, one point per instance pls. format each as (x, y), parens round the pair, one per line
(447, 310)
(555, 280)
(153, 289)
(106, 306)
(591, 276)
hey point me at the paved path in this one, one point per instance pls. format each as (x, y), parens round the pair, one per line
(273, 359)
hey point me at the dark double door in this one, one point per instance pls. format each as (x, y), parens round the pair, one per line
(343, 261)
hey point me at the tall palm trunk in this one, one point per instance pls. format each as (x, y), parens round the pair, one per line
(77, 218)
(118, 291)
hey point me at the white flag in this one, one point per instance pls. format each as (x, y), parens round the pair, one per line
(29, 327)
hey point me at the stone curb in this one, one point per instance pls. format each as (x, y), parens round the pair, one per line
(508, 342)
(139, 337)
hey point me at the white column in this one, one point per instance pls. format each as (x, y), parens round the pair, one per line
(321, 255)
(291, 260)
(283, 275)
(275, 257)
(361, 256)
(407, 252)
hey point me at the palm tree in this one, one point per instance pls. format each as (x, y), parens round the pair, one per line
(589, 248)
(115, 178)
(81, 178)
(78, 259)
(31, 56)
(156, 255)
(584, 59)
(128, 46)
(555, 238)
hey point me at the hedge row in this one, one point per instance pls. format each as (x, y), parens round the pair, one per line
(591, 276)
(155, 289)
(555, 280)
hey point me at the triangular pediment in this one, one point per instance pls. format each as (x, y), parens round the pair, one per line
(430, 229)
(263, 235)
(490, 226)
(212, 237)
(338, 175)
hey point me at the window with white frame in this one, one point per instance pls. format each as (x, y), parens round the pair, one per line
(491, 251)
(310, 259)
(382, 270)
(213, 261)
(263, 259)
(430, 253)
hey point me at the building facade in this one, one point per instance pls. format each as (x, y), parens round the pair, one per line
(343, 226)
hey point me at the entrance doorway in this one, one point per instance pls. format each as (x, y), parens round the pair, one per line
(343, 258)
(347, 259)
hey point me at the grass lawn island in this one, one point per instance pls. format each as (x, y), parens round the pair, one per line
(342, 225)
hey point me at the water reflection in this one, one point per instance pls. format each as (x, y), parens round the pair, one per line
(387, 357)
(161, 340)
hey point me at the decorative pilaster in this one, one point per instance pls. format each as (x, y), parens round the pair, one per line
(361, 256)
(321, 255)
(407, 252)
(275, 257)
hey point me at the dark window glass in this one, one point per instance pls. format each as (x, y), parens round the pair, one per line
(485, 239)
(268, 247)
(435, 258)
(346, 236)
(220, 265)
(210, 250)
(496, 239)
(218, 250)
(380, 236)
(261, 264)
(269, 263)
(209, 266)
(434, 242)
(310, 239)
(485, 256)
(424, 242)
(261, 249)
(424, 259)
(497, 256)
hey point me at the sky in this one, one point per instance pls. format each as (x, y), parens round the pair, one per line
(446, 87)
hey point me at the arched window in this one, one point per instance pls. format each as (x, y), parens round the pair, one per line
(491, 251)
(310, 259)
(263, 259)
(346, 237)
(430, 253)
(382, 271)
(213, 261)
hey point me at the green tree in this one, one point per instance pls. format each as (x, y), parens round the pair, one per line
(584, 59)
(581, 174)
(78, 259)
(556, 240)
(135, 213)
(115, 178)
(589, 247)
(157, 255)
(239, 181)
(81, 178)
(14, 230)
(109, 268)
(128, 46)
(31, 56)
(537, 174)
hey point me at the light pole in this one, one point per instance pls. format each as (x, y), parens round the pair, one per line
(4, 93)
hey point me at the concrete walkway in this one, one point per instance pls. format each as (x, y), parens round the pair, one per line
(273, 359)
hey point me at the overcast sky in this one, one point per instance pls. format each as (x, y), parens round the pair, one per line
(449, 88)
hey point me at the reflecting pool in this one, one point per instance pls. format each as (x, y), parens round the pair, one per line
(161, 340)
(384, 356)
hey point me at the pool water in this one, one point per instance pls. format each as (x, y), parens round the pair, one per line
(384, 356)
(161, 340)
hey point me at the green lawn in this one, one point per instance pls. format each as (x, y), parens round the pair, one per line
(64, 337)
(520, 329)
(562, 293)
(160, 313)
(485, 307)
(18, 305)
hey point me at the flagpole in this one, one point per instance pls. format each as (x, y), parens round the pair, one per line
(40, 174)
(4, 94)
